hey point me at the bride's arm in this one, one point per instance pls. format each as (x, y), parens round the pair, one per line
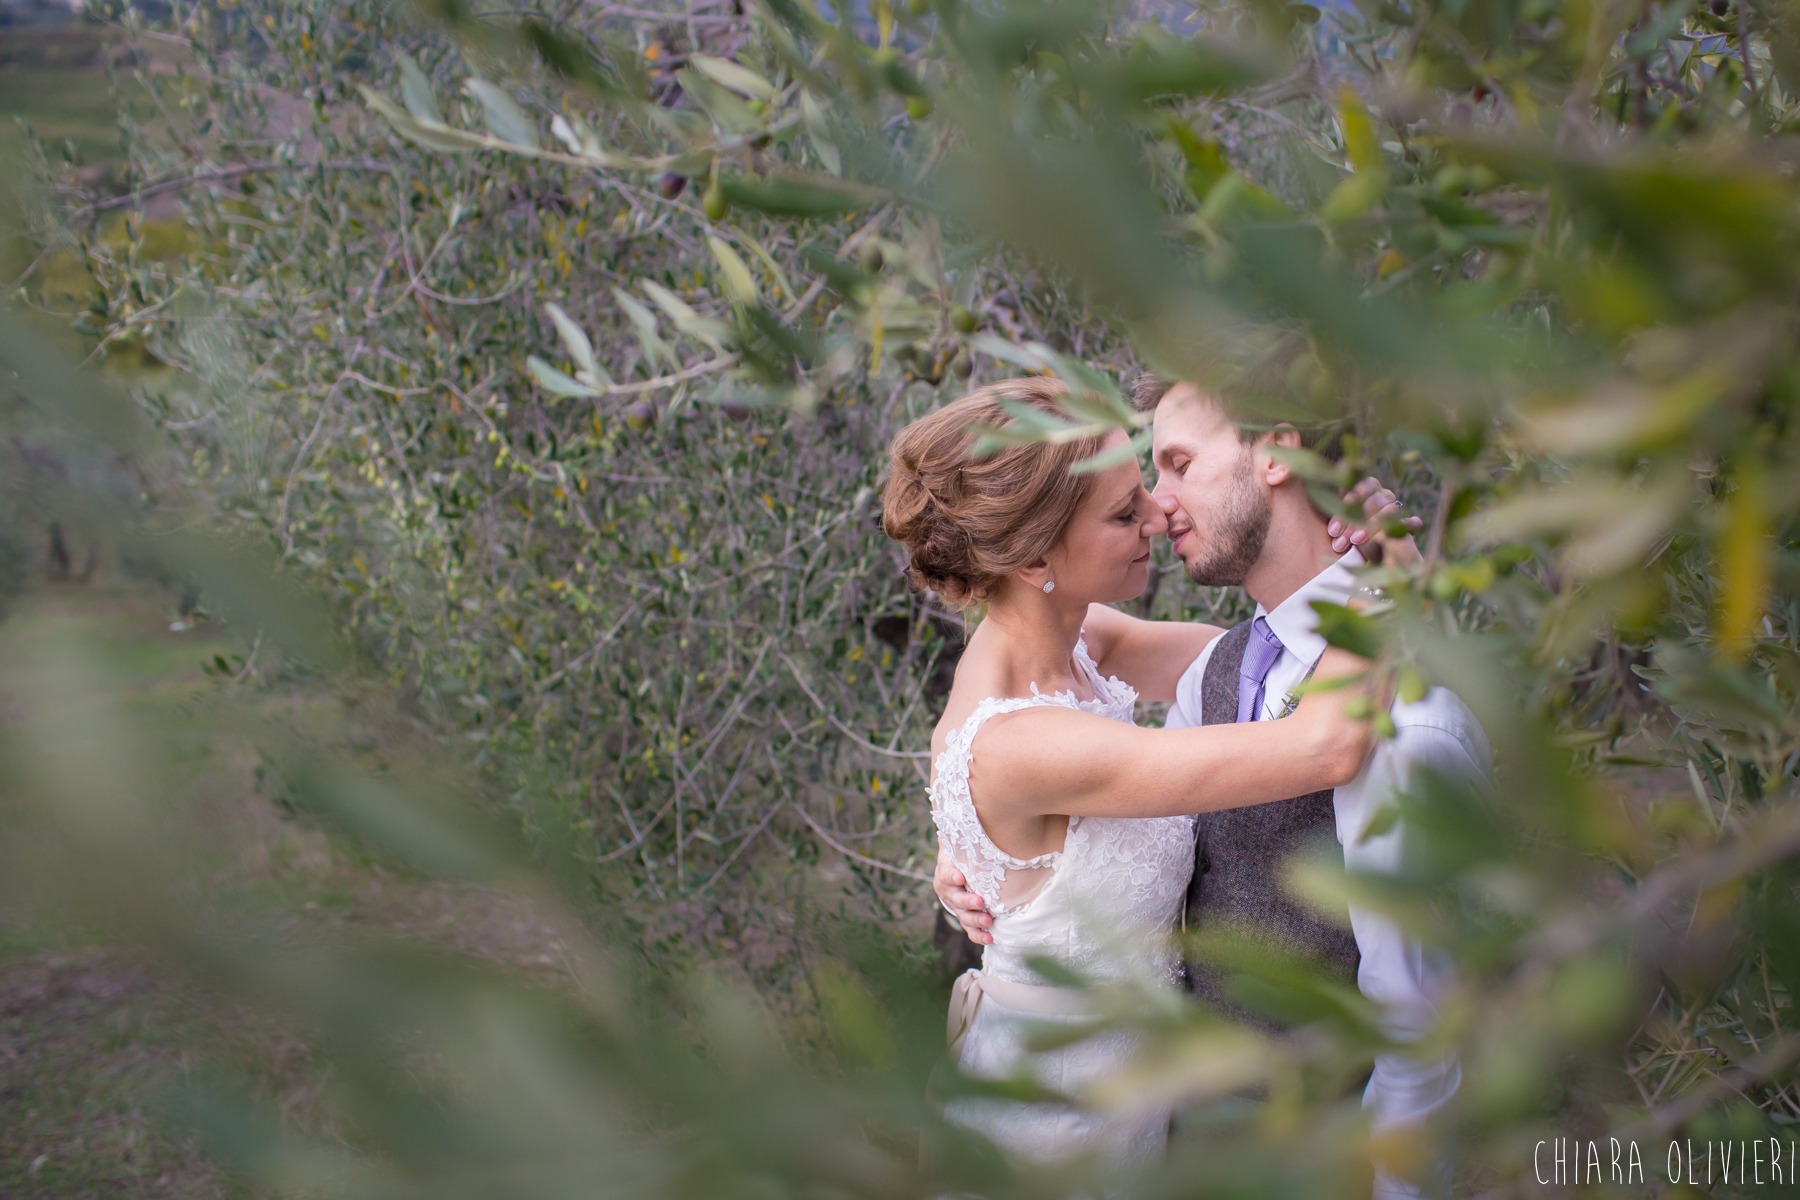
(1049, 760)
(1149, 655)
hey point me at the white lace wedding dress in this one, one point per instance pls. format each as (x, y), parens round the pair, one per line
(1106, 904)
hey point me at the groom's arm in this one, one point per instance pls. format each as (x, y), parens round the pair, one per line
(1407, 978)
(1398, 972)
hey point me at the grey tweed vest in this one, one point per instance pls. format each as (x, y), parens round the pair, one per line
(1239, 855)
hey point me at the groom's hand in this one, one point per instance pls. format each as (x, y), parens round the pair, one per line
(969, 909)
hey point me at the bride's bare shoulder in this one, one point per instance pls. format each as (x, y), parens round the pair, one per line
(985, 671)
(978, 676)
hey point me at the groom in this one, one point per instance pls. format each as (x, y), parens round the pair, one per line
(1238, 516)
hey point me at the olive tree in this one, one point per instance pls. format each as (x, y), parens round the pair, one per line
(562, 346)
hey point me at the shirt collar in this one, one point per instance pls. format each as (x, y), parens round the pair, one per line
(1294, 620)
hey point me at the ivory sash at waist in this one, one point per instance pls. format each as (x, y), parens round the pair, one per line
(967, 992)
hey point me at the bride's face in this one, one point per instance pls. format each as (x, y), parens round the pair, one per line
(1104, 555)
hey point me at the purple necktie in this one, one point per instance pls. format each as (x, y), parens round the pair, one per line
(1259, 655)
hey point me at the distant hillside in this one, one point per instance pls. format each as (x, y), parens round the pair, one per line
(16, 13)
(69, 45)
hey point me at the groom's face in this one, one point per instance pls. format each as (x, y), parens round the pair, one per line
(1205, 473)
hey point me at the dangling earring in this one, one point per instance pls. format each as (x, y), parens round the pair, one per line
(1049, 586)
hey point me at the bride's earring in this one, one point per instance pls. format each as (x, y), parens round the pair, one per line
(1049, 586)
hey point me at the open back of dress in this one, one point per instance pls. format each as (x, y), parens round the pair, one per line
(1106, 904)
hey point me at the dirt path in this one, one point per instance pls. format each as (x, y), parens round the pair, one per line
(91, 1037)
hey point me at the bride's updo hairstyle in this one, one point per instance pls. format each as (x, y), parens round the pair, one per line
(969, 523)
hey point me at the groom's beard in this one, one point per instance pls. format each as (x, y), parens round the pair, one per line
(1243, 527)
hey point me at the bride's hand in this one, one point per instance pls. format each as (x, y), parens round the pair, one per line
(1380, 506)
(1342, 742)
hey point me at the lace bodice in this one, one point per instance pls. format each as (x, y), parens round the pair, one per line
(1109, 898)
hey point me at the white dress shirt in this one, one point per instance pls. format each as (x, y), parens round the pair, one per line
(1400, 974)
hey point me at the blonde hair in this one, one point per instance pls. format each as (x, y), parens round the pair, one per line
(969, 523)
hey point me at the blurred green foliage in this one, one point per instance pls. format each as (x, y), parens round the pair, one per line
(15, 558)
(558, 349)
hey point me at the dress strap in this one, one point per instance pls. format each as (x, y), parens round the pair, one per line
(959, 748)
(1113, 696)
(1091, 669)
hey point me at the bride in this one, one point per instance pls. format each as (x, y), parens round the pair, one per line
(1068, 819)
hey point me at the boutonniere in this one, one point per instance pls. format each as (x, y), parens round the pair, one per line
(1293, 698)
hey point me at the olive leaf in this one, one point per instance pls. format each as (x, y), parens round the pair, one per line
(713, 333)
(781, 196)
(644, 323)
(738, 78)
(415, 90)
(581, 350)
(431, 135)
(738, 280)
(1348, 630)
(505, 119)
(554, 381)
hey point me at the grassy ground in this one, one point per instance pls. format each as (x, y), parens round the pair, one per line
(87, 1038)
(59, 106)
(86, 1034)
(91, 1034)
